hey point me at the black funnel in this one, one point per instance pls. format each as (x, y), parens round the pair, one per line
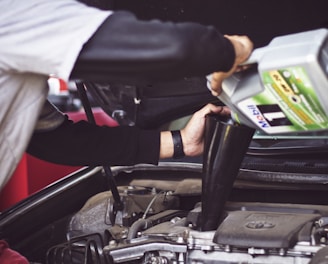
(226, 144)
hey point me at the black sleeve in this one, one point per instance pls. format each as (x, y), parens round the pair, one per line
(85, 144)
(126, 48)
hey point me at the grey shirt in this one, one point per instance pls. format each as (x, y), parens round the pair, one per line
(37, 38)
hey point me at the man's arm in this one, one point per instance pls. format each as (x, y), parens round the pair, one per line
(83, 143)
(126, 48)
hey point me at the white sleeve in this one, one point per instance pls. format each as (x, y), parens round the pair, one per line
(45, 36)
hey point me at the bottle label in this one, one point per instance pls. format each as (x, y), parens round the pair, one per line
(287, 104)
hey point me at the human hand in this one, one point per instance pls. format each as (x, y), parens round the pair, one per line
(193, 133)
(243, 47)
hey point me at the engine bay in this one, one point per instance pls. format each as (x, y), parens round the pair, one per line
(156, 226)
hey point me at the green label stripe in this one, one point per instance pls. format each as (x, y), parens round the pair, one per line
(294, 93)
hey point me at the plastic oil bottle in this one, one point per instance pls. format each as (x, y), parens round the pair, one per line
(286, 88)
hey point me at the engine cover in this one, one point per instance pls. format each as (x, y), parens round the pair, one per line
(264, 229)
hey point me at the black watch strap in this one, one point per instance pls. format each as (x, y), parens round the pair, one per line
(178, 145)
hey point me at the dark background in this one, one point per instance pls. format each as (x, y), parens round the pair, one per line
(261, 20)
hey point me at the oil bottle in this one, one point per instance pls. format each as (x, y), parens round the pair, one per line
(285, 89)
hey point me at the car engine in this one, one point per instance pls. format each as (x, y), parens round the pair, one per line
(153, 229)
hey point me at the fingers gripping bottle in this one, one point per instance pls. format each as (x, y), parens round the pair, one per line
(285, 90)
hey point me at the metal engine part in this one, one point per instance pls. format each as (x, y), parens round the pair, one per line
(96, 216)
(153, 230)
(289, 238)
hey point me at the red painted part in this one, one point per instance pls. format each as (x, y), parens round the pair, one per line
(16, 188)
(9, 256)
